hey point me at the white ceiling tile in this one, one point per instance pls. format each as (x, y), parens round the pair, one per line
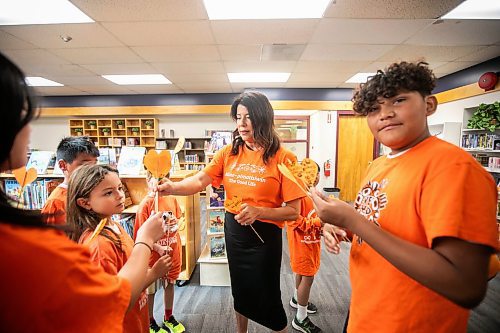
(110, 89)
(375, 66)
(483, 54)
(9, 42)
(48, 35)
(201, 78)
(80, 80)
(35, 58)
(458, 32)
(133, 10)
(240, 52)
(255, 85)
(103, 55)
(259, 66)
(201, 53)
(56, 70)
(195, 88)
(117, 68)
(427, 53)
(319, 77)
(263, 31)
(156, 89)
(329, 66)
(364, 31)
(390, 9)
(162, 32)
(323, 52)
(453, 67)
(311, 84)
(211, 67)
(57, 91)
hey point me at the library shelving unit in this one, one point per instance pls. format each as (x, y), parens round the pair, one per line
(117, 132)
(192, 156)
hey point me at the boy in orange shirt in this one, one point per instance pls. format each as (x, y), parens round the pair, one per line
(424, 221)
(172, 244)
(304, 243)
(72, 152)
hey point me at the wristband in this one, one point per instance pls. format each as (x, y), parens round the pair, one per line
(149, 247)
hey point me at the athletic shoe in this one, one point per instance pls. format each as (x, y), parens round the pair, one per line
(154, 328)
(311, 308)
(305, 326)
(173, 325)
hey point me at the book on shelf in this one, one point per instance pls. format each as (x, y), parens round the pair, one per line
(217, 197)
(40, 160)
(34, 195)
(216, 221)
(217, 247)
(128, 199)
(130, 161)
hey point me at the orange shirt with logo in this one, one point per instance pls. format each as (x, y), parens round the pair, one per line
(49, 284)
(106, 254)
(433, 190)
(166, 203)
(245, 175)
(304, 240)
(55, 206)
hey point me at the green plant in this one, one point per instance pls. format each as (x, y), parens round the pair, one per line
(79, 130)
(486, 116)
(106, 130)
(119, 122)
(92, 122)
(135, 129)
(148, 123)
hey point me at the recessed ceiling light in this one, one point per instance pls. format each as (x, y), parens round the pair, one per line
(137, 79)
(38, 81)
(40, 12)
(264, 9)
(360, 78)
(258, 77)
(475, 10)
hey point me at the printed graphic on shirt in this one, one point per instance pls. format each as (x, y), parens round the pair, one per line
(235, 176)
(370, 201)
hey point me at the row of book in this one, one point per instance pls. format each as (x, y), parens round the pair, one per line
(34, 195)
(192, 158)
(215, 226)
(481, 141)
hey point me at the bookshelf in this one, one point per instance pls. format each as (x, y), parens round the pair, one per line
(117, 132)
(192, 156)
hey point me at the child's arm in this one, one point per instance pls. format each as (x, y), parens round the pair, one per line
(454, 268)
(159, 269)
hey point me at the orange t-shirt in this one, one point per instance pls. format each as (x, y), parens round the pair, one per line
(55, 206)
(105, 254)
(258, 184)
(167, 203)
(433, 190)
(304, 240)
(49, 284)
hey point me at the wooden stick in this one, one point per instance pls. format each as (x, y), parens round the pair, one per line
(97, 230)
(251, 226)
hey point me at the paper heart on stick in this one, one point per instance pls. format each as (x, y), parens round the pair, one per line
(233, 203)
(158, 164)
(25, 177)
(306, 171)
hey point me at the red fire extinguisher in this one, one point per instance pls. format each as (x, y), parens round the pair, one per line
(327, 168)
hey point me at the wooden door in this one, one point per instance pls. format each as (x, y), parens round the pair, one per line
(355, 148)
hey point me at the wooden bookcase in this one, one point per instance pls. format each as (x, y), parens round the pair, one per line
(117, 132)
(192, 156)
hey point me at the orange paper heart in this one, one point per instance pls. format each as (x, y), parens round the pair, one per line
(233, 204)
(25, 177)
(306, 171)
(158, 164)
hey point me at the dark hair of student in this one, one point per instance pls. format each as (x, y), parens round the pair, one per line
(262, 117)
(397, 78)
(18, 109)
(70, 147)
(81, 183)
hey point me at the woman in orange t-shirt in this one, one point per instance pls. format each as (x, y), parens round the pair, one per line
(248, 169)
(95, 192)
(47, 279)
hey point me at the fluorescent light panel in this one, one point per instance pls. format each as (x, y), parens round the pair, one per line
(38, 81)
(20, 12)
(137, 79)
(258, 77)
(475, 10)
(264, 9)
(360, 78)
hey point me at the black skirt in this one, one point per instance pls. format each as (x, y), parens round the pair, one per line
(254, 268)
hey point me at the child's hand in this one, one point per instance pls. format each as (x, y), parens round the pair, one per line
(152, 230)
(161, 267)
(333, 211)
(162, 250)
(331, 240)
(165, 187)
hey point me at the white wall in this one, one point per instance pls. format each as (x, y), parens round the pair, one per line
(47, 132)
(323, 136)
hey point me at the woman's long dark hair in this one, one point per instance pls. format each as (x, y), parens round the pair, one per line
(17, 109)
(262, 117)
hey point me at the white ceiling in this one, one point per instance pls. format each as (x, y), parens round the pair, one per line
(175, 38)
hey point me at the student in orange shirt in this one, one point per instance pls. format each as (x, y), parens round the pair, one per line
(248, 168)
(66, 281)
(304, 243)
(72, 152)
(172, 241)
(95, 193)
(424, 220)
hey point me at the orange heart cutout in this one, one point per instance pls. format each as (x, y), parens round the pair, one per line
(234, 203)
(306, 171)
(25, 177)
(158, 164)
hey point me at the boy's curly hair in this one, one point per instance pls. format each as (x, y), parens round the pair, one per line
(398, 77)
